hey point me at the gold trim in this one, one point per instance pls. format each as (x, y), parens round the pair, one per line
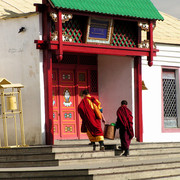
(144, 25)
(71, 111)
(145, 44)
(54, 16)
(66, 17)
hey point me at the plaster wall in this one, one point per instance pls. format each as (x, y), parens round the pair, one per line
(115, 79)
(168, 56)
(21, 62)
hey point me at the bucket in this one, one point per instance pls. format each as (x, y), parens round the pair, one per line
(109, 131)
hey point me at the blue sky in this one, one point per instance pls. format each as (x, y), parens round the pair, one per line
(171, 7)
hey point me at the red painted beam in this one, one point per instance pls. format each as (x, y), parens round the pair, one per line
(104, 46)
(39, 7)
(105, 50)
(40, 44)
(39, 41)
(94, 49)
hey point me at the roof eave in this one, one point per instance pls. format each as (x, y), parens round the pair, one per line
(116, 15)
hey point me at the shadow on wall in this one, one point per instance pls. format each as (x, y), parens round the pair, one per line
(12, 14)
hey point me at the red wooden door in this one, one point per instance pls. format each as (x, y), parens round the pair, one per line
(68, 85)
(82, 83)
(56, 110)
(67, 105)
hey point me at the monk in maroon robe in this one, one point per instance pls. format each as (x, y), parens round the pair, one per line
(125, 123)
(91, 124)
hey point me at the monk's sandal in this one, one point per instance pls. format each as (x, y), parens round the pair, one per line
(102, 148)
(126, 153)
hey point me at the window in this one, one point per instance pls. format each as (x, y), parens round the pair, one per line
(170, 98)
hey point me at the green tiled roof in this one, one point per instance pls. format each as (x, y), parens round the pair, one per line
(131, 8)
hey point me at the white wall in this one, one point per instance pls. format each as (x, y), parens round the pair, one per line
(21, 62)
(168, 56)
(115, 84)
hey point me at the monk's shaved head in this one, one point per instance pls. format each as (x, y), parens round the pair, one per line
(124, 102)
(85, 92)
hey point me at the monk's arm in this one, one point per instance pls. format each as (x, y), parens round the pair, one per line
(103, 118)
(118, 123)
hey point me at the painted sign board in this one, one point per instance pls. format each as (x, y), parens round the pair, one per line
(99, 30)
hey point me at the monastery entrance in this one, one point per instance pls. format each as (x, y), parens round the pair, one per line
(70, 77)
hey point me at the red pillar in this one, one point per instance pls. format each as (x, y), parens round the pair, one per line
(60, 51)
(47, 67)
(138, 99)
(48, 98)
(150, 38)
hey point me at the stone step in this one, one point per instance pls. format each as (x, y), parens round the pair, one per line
(117, 142)
(84, 155)
(139, 175)
(76, 148)
(111, 159)
(83, 148)
(37, 163)
(52, 156)
(176, 177)
(26, 150)
(49, 159)
(135, 172)
(26, 157)
(86, 141)
(122, 164)
(47, 150)
(133, 148)
(136, 146)
(90, 177)
(112, 168)
(147, 151)
(83, 177)
(23, 155)
(145, 158)
(154, 145)
(135, 167)
(39, 172)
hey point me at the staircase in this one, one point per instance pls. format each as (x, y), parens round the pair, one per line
(75, 160)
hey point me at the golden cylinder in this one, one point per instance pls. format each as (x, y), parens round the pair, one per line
(11, 103)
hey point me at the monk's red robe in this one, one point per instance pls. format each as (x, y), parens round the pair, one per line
(89, 119)
(125, 123)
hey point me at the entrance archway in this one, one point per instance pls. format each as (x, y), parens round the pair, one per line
(69, 78)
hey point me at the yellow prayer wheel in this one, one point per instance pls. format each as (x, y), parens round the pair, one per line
(11, 103)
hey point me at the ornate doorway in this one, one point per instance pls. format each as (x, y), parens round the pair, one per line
(70, 77)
